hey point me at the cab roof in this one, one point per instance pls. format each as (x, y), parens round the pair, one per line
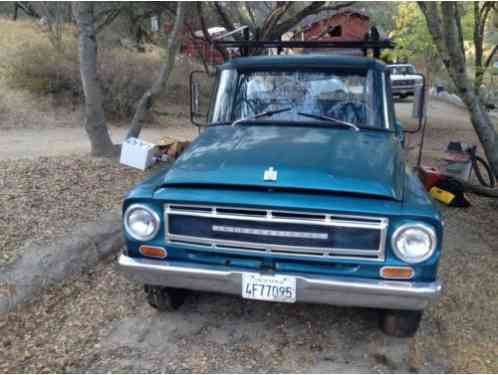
(304, 61)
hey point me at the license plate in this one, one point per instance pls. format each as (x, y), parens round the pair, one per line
(276, 288)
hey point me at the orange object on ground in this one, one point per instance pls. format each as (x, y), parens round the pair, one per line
(430, 176)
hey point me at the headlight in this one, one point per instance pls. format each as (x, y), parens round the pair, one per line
(141, 222)
(414, 243)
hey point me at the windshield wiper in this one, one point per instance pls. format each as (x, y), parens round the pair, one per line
(261, 114)
(330, 119)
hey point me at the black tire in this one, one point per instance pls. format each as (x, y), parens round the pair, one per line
(487, 178)
(400, 323)
(165, 299)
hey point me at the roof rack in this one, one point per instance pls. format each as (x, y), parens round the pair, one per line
(245, 45)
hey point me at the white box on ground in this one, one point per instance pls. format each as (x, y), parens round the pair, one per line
(137, 153)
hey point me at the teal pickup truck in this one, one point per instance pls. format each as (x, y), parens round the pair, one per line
(296, 190)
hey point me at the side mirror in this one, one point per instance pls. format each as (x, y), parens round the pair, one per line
(418, 111)
(200, 93)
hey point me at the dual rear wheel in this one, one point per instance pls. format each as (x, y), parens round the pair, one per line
(398, 323)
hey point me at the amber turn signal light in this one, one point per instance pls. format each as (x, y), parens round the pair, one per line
(403, 273)
(153, 251)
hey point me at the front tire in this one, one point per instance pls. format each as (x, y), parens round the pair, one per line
(164, 299)
(400, 323)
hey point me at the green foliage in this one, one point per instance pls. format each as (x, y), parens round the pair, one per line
(413, 41)
(382, 13)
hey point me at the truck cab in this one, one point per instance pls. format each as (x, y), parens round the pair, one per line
(297, 190)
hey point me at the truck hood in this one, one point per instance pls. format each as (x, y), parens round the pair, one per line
(306, 158)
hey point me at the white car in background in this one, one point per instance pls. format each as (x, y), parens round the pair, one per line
(404, 79)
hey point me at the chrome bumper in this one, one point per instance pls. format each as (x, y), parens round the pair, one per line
(327, 290)
(403, 90)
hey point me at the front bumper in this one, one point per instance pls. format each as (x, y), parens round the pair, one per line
(310, 288)
(403, 90)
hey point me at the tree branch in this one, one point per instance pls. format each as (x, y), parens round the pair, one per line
(109, 18)
(225, 19)
(205, 31)
(314, 8)
(250, 13)
(273, 19)
(490, 57)
(433, 20)
(28, 9)
(478, 189)
(145, 103)
(486, 8)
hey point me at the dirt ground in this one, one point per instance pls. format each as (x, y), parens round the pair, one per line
(59, 141)
(445, 123)
(52, 196)
(99, 322)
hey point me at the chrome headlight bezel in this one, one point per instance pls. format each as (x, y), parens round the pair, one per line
(150, 211)
(427, 229)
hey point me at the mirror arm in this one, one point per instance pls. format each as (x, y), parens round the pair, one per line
(423, 124)
(421, 120)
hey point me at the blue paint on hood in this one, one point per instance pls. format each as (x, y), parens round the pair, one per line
(316, 158)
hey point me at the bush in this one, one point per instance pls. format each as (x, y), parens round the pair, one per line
(125, 75)
(42, 71)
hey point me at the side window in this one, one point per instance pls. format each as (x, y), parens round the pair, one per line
(212, 98)
(374, 100)
(224, 96)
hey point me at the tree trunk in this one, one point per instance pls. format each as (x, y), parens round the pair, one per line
(484, 128)
(146, 102)
(477, 189)
(95, 124)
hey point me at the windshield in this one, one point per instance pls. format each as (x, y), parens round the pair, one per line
(344, 96)
(402, 70)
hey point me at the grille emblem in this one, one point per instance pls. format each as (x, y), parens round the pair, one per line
(270, 232)
(270, 174)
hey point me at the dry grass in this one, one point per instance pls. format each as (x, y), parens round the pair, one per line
(34, 77)
(20, 107)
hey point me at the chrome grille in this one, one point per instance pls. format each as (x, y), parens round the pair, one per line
(278, 232)
(406, 82)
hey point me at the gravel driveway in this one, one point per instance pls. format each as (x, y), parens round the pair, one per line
(99, 322)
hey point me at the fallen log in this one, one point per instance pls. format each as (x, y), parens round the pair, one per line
(478, 189)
